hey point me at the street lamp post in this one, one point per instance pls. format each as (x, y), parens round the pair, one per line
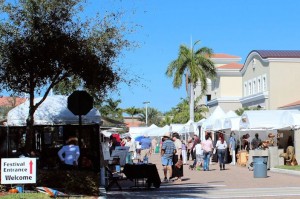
(146, 103)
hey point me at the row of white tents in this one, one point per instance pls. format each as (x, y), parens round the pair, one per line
(54, 111)
(254, 120)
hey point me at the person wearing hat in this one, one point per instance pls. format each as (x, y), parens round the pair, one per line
(69, 153)
(168, 149)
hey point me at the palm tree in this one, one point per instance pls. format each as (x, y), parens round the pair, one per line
(154, 116)
(111, 109)
(132, 111)
(196, 65)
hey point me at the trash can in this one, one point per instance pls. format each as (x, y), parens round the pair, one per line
(260, 166)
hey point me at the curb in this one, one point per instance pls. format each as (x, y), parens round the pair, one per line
(286, 171)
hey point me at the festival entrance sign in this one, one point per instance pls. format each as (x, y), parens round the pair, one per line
(18, 170)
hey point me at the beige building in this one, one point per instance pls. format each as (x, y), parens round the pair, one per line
(270, 78)
(225, 90)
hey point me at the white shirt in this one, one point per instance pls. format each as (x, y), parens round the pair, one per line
(71, 154)
(131, 145)
(219, 145)
(199, 150)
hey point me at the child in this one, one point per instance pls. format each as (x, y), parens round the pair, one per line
(198, 162)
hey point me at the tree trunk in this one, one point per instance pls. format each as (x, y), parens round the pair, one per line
(192, 101)
(29, 145)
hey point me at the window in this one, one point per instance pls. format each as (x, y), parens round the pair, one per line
(250, 89)
(264, 83)
(254, 87)
(259, 84)
(245, 89)
(208, 98)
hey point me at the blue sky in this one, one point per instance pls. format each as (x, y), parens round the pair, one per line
(227, 26)
(233, 27)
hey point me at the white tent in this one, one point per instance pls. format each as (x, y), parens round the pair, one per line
(290, 120)
(209, 122)
(264, 119)
(158, 131)
(225, 122)
(52, 111)
(138, 131)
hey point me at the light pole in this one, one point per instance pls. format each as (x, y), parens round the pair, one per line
(146, 103)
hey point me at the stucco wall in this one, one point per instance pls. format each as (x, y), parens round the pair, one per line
(284, 83)
(230, 86)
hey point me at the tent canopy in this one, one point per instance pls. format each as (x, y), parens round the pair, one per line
(53, 111)
(225, 122)
(265, 119)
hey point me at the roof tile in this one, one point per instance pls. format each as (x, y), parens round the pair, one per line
(223, 55)
(278, 53)
(232, 65)
(296, 103)
(11, 101)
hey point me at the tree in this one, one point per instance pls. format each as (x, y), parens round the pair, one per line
(180, 113)
(44, 42)
(153, 116)
(240, 111)
(111, 109)
(196, 65)
(132, 111)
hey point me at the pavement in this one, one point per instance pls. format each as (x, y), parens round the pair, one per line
(233, 182)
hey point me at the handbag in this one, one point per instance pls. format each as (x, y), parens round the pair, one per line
(214, 151)
(179, 164)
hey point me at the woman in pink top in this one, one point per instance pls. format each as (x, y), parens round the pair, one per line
(207, 147)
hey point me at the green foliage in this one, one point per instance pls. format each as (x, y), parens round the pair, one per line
(26, 195)
(240, 111)
(153, 116)
(44, 43)
(180, 114)
(111, 109)
(195, 63)
(295, 168)
(132, 111)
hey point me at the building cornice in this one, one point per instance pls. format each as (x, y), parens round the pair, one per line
(256, 97)
(225, 60)
(223, 100)
(229, 72)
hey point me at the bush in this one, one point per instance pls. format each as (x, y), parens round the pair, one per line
(70, 182)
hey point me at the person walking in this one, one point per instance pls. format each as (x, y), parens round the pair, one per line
(221, 147)
(207, 147)
(184, 153)
(145, 147)
(193, 151)
(177, 168)
(189, 147)
(199, 156)
(168, 149)
(232, 148)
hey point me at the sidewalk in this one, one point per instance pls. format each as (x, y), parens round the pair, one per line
(233, 177)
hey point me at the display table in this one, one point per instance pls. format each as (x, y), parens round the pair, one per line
(138, 172)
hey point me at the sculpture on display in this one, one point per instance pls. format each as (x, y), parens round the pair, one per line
(289, 156)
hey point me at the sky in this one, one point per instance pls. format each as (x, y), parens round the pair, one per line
(234, 27)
